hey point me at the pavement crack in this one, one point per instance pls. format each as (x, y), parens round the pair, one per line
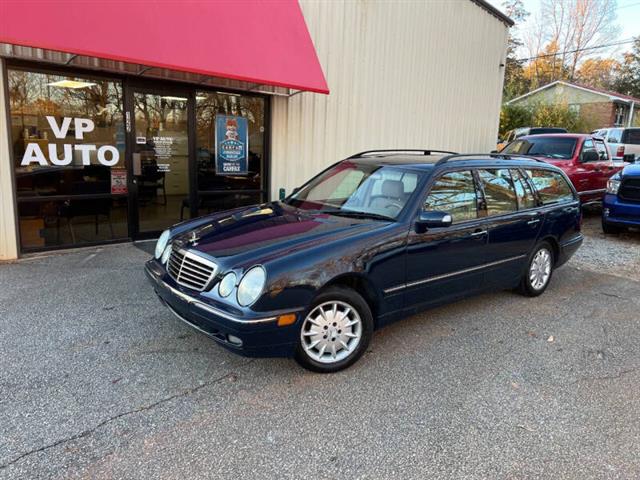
(616, 376)
(144, 408)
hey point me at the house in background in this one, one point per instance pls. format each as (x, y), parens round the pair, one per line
(600, 108)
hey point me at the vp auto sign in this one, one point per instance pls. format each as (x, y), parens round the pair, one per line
(232, 145)
(108, 155)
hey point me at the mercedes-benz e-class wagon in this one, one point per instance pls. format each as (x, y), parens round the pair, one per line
(371, 239)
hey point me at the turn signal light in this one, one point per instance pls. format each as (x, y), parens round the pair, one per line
(620, 151)
(288, 319)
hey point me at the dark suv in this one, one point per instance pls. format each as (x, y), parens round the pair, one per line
(372, 239)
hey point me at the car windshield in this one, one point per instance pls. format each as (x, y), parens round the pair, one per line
(358, 190)
(551, 147)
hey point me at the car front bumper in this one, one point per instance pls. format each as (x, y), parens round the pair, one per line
(619, 212)
(259, 336)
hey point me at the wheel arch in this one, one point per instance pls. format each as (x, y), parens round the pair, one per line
(360, 284)
(555, 245)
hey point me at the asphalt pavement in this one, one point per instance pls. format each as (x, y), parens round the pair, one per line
(98, 380)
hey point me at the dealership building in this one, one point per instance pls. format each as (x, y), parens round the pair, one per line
(118, 120)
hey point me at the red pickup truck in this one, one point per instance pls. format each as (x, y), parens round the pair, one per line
(582, 157)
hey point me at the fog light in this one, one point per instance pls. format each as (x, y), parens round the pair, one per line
(288, 319)
(235, 340)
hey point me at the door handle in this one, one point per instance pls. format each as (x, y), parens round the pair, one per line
(533, 222)
(478, 233)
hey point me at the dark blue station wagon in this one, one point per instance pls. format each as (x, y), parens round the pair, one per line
(371, 239)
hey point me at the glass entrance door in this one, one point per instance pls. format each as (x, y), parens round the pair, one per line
(160, 159)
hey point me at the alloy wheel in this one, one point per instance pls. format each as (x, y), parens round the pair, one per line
(331, 332)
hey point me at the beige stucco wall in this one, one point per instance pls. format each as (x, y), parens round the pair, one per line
(561, 93)
(412, 74)
(8, 235)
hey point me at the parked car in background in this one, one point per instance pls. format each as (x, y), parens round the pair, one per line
(368, 241)
(514, 134)
(582, 157)
(623, 143)
(621, 205)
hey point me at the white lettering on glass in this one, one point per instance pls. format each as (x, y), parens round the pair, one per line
(33, 152)
(85, 149)
(62, 131)
(53, 155)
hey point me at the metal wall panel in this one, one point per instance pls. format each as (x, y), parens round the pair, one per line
(410, 74)
(8, 230)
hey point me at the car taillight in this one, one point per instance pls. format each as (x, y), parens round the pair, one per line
(620, 151)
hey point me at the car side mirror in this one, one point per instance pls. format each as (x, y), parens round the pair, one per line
(590, 156)
(493, 151)
(431, 219)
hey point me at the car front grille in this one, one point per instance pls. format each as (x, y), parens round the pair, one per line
(191, 270)
(630, 190)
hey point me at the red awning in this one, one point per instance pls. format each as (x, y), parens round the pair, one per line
(263, 42)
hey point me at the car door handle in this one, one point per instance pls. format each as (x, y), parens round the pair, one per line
(478, 233)
(533, 222)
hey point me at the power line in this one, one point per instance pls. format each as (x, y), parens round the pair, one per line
(546, 55)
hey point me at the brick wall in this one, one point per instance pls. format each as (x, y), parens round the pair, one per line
(598, 115)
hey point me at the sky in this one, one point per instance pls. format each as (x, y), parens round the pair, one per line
(628, 18)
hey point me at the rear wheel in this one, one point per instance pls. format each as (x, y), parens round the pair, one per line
(335, 332)
(609, 229)
(537, 276)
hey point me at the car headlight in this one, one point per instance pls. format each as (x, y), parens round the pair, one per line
(165, 254)
(613, 184)
(227, 284)
(251, 285)
(161, 244)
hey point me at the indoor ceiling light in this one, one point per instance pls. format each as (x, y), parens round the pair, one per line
(169, 97)
(70, 84)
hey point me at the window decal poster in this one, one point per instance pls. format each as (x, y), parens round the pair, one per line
(232, 145)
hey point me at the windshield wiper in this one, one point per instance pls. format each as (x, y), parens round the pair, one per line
(356, 214)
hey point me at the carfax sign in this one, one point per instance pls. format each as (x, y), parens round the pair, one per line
(232, 145)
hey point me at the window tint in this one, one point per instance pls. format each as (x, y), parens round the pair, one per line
(454, 193)
(499, 192)
(551, 186)
(552, 147)
(633, 136)
(602, 149)
(523, 191)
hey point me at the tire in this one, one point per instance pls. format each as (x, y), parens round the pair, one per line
(609, 229)
(335, 331)
(537, 276)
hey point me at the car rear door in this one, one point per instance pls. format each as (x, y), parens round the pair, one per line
(513, 223)
(443, 263)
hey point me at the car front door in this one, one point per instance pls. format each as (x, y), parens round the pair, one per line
(444, 263)
(592, 172)
(513, 223)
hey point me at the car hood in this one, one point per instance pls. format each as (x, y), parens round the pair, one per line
(632, 170)
(257, 234)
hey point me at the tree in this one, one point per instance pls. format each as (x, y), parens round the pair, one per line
(598, 72)
(546, 68)
(627, 81)
(515, 83)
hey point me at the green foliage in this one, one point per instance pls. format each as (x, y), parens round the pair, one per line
(541, 115)
(628, 78)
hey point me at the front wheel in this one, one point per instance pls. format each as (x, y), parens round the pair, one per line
(537, 276)
(335, 332)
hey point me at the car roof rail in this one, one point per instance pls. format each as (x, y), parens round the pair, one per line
(501, 156)
(410, 151)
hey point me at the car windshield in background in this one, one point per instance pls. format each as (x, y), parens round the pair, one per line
(550, 147)
(358, 190)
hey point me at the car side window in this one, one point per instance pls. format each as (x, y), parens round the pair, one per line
(615, 135)
(454, 193)
(551, 186)
(633, 136)
(602, 149)
(588, 146)
(523, 191)
(499, 192)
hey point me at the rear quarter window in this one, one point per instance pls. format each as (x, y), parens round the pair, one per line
(551, 186)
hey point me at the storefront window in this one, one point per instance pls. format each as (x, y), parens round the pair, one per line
(230, 151)
(68, 142)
